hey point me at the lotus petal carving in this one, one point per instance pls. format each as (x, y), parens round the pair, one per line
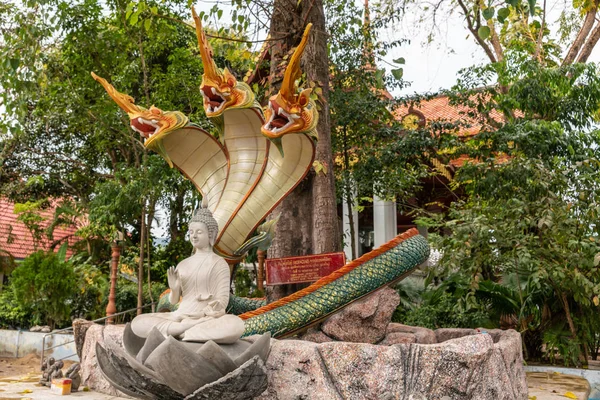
(165, 368)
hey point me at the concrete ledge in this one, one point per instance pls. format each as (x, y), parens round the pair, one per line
(22, 343)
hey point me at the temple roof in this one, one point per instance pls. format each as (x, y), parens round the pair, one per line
(16, 239)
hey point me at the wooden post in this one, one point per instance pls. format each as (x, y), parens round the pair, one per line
(261, 269)
(111, 307)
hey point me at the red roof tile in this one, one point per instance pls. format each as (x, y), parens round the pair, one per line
(439, 108)
(18, 241)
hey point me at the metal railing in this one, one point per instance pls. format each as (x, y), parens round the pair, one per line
(69, 330)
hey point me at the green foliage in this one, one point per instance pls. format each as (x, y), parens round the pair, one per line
(126, 297)
(245, 286)
(523, 240)
(439, 311)
(44, 284)
(14, 315)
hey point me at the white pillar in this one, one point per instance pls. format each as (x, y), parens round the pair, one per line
(384, 221)
(347, 231)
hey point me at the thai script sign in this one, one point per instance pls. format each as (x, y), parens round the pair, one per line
(281, 271)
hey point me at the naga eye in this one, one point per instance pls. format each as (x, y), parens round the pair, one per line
(230, 82)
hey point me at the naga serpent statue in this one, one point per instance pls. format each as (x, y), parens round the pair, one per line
(245, 172)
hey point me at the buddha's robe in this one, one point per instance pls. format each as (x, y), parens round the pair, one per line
(204, 284)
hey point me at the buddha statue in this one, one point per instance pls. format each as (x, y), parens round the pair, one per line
(202, 283)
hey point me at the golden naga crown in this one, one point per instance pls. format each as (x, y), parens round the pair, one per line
(289, 111)
(219, 88)
(153, 123)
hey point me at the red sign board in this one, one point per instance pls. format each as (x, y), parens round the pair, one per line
(281, 271)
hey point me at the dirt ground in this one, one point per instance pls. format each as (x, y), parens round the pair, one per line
(11, 367)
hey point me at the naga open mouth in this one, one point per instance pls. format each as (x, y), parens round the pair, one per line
(280, 120)
(213, 101)
(145, 127)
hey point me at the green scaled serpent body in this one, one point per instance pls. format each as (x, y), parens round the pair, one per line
(389, 264)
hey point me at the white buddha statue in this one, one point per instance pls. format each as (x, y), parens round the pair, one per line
(202, 281)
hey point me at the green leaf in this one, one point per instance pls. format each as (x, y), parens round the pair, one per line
(219, 14)
(154, 10)
(147, 24)
(14, 63)
(503, 13)
(513, 3)
(488, 13)
(484, 32)
(134, 18)
(397, 73)
(531, 7)
(62, 252)
(400, 60)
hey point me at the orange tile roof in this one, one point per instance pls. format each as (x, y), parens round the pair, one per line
(18, 241)
(439, 108)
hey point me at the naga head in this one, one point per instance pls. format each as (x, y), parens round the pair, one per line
(219, 88)
(289, 111)
(153, 123)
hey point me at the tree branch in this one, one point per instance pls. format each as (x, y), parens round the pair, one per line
(473, 30)
(589, 45)
(579, 41)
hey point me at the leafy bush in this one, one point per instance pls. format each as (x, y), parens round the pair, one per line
(45, 284)
(441, 311)
(12, 314)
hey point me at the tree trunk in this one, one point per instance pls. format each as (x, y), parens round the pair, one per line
(140, 296)
(589, 45)
(565, 304)
(308, 223)
(586, 27)
(150, 218)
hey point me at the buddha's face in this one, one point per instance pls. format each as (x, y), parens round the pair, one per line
(199, 236)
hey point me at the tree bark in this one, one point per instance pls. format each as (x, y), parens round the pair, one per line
(579, 41)
(140, 295)
(308, 223)
(589, 45)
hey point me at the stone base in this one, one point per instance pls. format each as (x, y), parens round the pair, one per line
(91, 376)
(472, 365)
(482, 366)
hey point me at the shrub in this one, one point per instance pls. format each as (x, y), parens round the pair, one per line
(45, 284)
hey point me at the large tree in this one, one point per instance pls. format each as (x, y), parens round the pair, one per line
(308, 222)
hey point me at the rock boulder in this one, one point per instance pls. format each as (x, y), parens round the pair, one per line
(366, 320)
(485, 366)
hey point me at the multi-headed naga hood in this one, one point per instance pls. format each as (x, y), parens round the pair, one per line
(240, 174)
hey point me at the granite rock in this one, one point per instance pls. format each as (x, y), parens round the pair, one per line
(364, 321)
(422, 335)
(315, 335)
(90, 372)
(397, 338)
(80, 327)
(485, 366)
(444, 334)
(296, 371)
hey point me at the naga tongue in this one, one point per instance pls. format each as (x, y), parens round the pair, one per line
(279, 121)
(142, 128)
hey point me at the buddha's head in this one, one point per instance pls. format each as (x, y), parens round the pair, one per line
(203, 229)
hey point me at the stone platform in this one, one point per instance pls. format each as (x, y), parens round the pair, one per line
(359, 354)
(476, 366)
